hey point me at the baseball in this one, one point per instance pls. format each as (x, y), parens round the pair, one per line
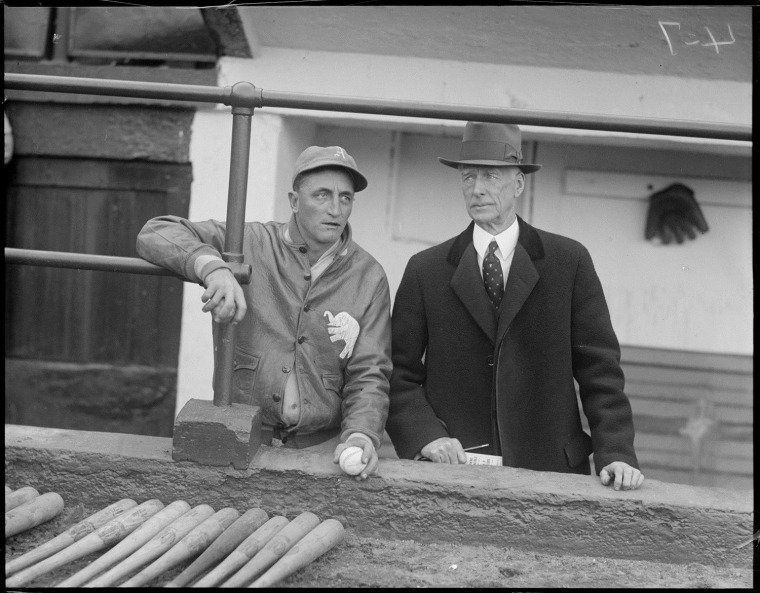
(351, 461)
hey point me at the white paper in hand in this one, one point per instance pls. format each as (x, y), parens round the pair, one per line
(480, 459)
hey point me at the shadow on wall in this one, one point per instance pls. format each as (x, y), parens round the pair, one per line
(132, 399)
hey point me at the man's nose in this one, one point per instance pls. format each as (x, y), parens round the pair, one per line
(479, 185)
(333, 207)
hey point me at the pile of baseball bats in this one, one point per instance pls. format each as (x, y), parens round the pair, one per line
(141, 542)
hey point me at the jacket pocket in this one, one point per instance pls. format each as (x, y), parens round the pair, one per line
(333, 383)
(578, 449)
(244, 377)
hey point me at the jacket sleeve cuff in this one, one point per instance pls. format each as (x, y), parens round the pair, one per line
(353, 433)
(205, 264)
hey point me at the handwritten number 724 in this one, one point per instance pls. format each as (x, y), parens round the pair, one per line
(692, 40)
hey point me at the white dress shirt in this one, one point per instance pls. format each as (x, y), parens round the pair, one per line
(506, 240)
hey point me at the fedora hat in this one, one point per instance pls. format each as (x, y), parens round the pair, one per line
(491, 145)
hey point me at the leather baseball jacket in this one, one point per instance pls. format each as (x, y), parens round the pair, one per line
(342, 375)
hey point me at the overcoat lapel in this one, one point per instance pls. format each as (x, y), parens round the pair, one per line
(520, 282)
(468, 286)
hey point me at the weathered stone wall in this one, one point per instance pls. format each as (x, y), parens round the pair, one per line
(134, 399)
(538, 511)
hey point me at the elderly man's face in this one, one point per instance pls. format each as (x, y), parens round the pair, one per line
(490, 194)
(323, 203)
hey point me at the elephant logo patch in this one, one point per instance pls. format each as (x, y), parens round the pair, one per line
(343, 327)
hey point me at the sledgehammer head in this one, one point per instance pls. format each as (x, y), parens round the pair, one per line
(217, 435)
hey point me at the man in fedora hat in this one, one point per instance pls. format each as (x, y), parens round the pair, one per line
(313, 344)
(490, 329)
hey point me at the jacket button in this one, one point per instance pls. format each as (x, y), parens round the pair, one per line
(307, 277)
(489, 360)
(302, 249)
(286, 369)
(306, 308)
(302, 339)
(276, 397)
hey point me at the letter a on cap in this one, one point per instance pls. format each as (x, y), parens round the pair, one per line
(340, 153)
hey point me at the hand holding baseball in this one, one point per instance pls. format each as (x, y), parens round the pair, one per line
(361, 465)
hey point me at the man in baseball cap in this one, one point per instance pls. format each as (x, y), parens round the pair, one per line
(315, 157)
(313, 338)
(492, 327)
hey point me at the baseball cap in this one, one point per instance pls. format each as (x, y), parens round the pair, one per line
(329, 156)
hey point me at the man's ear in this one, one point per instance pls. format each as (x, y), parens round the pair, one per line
(519, 183)
(293, 199)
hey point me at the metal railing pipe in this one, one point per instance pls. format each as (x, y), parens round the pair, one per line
(269, 98)
(552, 119)
(83, 261)
(117, 88)
(102, 263)
(233, 237)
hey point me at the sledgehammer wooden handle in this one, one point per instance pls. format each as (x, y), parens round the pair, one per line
(32, 513)
(68, 537)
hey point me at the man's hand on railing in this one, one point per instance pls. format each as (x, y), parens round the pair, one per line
(224, 297)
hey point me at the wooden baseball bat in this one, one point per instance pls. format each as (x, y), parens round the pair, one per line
(323, 538)
(274, 549)
(68, 537)
(19, 497)
(129, 544)
(244, 552)
(156, 546)
(220, 548)
(188, 547)
(30, 514)
(106, 535)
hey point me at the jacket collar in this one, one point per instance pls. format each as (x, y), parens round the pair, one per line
(528, 238)
(467, 283)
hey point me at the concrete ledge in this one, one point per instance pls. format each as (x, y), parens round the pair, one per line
(538, 511)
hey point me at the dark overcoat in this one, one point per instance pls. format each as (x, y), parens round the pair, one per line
(508, 378)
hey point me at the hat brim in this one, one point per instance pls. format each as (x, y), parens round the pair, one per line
(360, 181)
(525, 168)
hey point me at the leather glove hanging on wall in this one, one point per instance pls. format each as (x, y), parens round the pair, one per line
(674, 213)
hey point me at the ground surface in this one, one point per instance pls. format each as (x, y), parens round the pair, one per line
(368, 562)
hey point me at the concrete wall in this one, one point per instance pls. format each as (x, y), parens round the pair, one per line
(479, 505)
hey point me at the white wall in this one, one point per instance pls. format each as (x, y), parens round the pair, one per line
(552, 89)
(694, 296)
(404, 184)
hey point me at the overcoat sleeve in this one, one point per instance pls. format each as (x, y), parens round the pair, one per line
(412, 423)
(596, 368)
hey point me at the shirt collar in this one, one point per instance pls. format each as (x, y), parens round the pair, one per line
(506, 240)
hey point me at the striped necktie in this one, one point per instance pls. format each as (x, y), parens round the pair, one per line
(493, 277)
